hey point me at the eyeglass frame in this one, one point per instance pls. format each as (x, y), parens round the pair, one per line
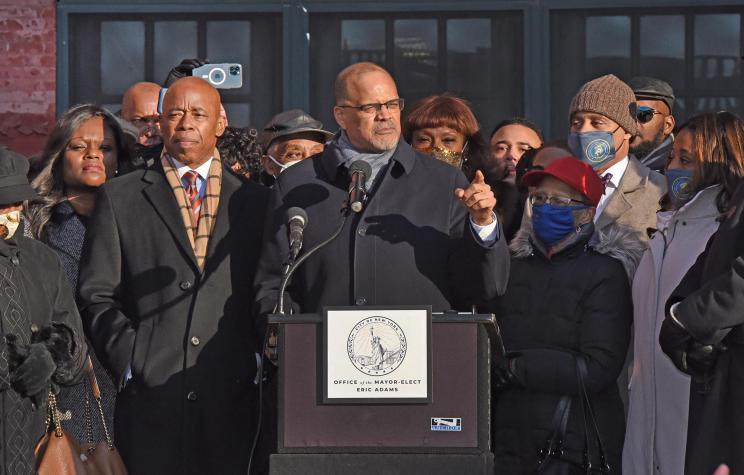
(645, 110)
(376, 106)
(559, 200)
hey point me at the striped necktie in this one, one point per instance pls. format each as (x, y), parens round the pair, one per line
(190, 180)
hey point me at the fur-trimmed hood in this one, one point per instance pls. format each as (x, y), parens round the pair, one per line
(616, 241)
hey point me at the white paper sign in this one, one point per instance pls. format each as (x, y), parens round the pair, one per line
(377, 354)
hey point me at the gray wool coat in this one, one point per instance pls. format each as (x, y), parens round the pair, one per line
(634, 204)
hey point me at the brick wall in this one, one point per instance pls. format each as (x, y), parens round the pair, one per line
(27, 73)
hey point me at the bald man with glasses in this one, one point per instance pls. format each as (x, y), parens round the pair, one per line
(425, 236)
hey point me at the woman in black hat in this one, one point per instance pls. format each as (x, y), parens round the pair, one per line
(82, 152)
(41, 336)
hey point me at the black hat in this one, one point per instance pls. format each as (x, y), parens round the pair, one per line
(14, 186)
(652, 88)
(291, 122)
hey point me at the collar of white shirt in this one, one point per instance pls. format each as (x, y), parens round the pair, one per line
(617, 170)
(202, 170)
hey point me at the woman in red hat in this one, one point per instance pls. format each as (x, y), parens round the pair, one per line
(565, 320)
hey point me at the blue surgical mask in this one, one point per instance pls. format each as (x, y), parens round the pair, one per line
(595, 148)
(678, 186)
(551, 224)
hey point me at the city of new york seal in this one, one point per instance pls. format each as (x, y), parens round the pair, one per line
(376, 346)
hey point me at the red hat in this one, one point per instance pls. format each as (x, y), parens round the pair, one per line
(573, 172)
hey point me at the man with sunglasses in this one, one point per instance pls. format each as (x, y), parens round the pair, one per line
(425, 236)
(655, 99)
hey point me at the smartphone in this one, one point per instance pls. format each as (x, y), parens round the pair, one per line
(222, 75)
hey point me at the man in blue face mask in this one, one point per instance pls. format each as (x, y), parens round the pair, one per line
(603, 120)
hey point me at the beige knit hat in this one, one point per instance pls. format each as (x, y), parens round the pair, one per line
(609, 96)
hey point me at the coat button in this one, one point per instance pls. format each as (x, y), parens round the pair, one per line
(185, 285)
(191, 396)
(361, 301)
(195, 340)
(362, 231)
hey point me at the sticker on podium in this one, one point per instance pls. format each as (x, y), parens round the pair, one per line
(377, 355)
(448, 424)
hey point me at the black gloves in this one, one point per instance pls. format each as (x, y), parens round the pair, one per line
(31, 369)
(184, 69)
(504, 373)
(689, 356)
(35, 368)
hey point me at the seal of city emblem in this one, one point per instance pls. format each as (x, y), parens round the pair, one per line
(597, 150)
(376, 346)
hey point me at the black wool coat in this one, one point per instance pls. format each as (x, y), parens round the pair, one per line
(411, 245)
(712, 310)
(186, 334)
(578, 302)
(31, 279)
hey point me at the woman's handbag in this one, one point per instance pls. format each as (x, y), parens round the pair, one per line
(59, 454)
(552, 459)
(100, 458)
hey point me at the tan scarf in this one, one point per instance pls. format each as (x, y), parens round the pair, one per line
(200, 233)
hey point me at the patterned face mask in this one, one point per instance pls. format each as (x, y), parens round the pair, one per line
(9, 223)
(445, 155)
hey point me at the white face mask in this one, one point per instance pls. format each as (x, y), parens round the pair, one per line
(9, 223)
(283, 166)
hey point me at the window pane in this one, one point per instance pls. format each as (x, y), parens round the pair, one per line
(663, 48)
(717, 51)
(230, 42)
(468, 55)
(715, 104)
(363, 40)
(608, 46)
(122, 55)
(174, 42)
(238, 115)
(416, 63)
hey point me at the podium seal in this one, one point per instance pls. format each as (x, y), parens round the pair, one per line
(376, 346)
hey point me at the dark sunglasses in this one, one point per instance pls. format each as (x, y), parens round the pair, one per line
(644, 114)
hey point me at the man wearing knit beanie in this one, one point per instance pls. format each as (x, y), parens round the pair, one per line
(603, 120)
(602, 115)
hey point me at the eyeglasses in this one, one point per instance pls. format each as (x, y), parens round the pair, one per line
(393, 105)
(645, 114)
(538, 198)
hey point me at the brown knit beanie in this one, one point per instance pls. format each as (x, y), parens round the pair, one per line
(609, 96)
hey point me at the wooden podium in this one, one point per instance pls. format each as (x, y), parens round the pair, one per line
(364, 438)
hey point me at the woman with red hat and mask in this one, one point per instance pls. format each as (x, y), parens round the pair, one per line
(565, 320)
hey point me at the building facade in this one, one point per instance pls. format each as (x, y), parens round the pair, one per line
(507, 57)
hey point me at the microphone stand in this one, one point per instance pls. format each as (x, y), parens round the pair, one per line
(290, 269)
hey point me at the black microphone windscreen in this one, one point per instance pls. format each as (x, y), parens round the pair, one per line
(297, 212)
(361, 166)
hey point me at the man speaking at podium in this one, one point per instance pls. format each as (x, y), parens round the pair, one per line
(423, 236)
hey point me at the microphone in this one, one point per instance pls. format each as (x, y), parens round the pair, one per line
(360, 171)
(296, 221)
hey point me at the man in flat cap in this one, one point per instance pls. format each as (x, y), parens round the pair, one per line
(41, 336)
(655, 99)
(289, 137)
